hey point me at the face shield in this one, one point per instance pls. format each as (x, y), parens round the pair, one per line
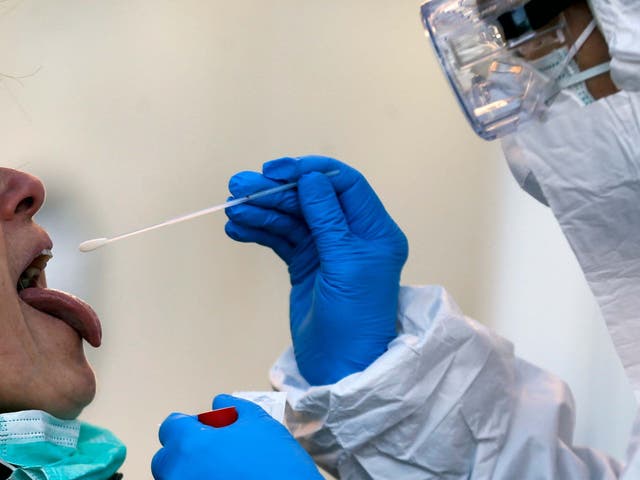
(507, 60)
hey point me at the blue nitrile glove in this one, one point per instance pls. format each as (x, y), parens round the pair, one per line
(254, 447)
(344, 253)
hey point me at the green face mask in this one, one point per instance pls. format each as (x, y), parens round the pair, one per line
(42, 447)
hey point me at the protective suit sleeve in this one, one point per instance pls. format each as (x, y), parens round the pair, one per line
(448, 400)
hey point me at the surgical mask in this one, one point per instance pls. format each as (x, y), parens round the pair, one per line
(555, 65)
(41, 447)
(494, 53)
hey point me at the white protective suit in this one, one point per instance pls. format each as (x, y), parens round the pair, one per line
(449, 399)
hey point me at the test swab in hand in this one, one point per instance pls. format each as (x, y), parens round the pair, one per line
(96, 243)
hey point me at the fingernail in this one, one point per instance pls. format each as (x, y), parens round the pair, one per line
(230, 231)
(281, 169)
(238, 185)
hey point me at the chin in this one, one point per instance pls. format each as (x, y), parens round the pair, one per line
(75, 400)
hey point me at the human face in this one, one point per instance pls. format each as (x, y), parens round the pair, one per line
(42, 360)
(594, 51)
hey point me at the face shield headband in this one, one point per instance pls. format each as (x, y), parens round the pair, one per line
(488, 50)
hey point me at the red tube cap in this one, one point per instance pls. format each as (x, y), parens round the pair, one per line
(222, 417)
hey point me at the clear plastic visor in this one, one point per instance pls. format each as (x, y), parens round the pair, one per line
(496, 86)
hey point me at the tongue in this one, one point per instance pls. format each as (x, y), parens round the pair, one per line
(71, 310)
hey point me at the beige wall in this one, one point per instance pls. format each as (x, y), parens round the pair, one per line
(141, 110)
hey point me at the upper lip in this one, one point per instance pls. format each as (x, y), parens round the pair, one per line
(44, 243)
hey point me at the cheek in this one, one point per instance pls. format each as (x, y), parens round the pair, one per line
(16, 249)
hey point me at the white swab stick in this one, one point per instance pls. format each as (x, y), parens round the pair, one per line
(96, 243)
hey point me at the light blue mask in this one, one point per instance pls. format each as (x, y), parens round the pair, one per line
(42, 447)
(554, 65)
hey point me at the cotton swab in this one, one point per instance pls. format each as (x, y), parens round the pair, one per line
(96, 243)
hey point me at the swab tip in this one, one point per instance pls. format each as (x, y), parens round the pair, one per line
(93, 244)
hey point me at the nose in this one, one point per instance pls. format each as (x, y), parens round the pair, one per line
(21, 194)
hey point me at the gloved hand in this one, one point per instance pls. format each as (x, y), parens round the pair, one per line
(254, 447)
(344, 253)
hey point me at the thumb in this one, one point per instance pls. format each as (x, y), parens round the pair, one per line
(246, 409)
(322, 211)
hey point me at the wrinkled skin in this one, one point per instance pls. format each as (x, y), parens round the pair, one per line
(42, 360)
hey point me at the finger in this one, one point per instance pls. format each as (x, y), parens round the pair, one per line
(246, 183)
(323, 213)
(362, 208)
(272, 221)
(176, 426)
(244, 234)
(291, 169)
(247, 410)
(160, 465)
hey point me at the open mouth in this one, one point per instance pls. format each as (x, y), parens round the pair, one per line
(32, 290)
(31, 277)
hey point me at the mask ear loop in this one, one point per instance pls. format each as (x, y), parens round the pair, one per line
(585, 75)
(575, 48)
(559, 85)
